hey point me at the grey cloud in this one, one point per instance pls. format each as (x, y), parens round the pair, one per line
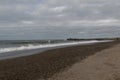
(71, 17)
(40, 11)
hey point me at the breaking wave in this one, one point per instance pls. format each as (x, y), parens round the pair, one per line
(32, 46)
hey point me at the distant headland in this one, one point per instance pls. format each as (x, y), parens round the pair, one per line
(78, 39)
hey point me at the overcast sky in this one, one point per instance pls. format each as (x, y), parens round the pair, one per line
(47, 19)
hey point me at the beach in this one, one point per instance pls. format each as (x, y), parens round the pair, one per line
(104, 65)
(53, 64)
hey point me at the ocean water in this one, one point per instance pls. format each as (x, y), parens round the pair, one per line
(16, 45)
(16, 48)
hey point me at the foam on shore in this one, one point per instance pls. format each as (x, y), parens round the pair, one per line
(32, 46)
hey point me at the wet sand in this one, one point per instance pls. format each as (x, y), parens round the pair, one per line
(49, 63)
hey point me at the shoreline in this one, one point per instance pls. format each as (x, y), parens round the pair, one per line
(26, 52)
(48, 63)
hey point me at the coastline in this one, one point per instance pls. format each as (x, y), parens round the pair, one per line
(48, 63)
(13, 52)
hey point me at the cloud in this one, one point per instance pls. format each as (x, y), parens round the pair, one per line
(27, 22)
(58, 9)
(52, 12)
(101, 22)
(60, 14)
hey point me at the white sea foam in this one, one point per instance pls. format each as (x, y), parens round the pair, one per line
(32, 46)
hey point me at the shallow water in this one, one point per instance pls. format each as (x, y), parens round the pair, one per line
(11, 49)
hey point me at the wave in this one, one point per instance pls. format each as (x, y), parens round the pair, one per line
(32, 46)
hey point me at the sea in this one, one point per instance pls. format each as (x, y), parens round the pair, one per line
(17, 48)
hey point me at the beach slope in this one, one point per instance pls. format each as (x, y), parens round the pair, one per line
(104, 65)
(49, 63)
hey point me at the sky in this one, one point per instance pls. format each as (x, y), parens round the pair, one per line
(59, 19)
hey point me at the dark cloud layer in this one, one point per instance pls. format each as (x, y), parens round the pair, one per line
(59, 18)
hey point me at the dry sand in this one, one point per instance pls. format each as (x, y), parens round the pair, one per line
(104, 65)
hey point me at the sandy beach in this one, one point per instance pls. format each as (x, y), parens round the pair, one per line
(104, 65)
(98, 61)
